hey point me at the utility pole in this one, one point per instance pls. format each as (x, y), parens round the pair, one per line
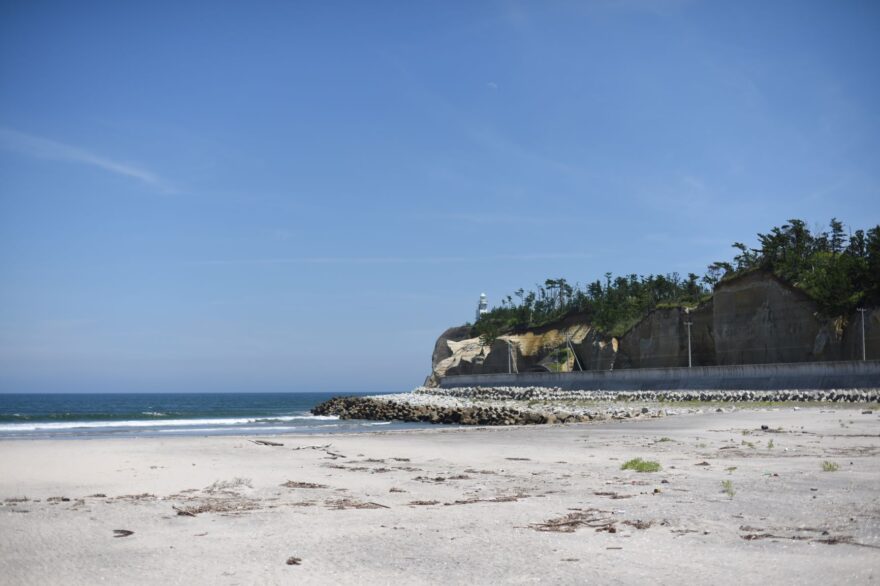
(689, 323)
(862, 311)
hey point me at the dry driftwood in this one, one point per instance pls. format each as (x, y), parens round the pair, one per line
(342, 504)
(571, 522)
(293, 484)
(265, 443)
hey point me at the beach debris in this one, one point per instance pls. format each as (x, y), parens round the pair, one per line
(436, 479)
(229, 485)
(638, 524)
(324, 447)
(423, 503)
(400, 459)
(57, 499)
(122, 533)
(16, 499)
(519, 459)
(703, 463)
(570, 523)
(342, 504)
(97, 495)
(614, 495)
(293, 561)
(756, 536)
(510, 498)
(265, 443)
(144, 496)
(395, 489)
(293, 484)
(215, 505)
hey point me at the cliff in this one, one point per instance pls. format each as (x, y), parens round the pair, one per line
(754, 318)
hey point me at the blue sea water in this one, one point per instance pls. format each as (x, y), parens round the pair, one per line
(172, 414)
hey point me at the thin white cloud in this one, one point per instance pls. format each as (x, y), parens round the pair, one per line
(361, 260)
(44, 148)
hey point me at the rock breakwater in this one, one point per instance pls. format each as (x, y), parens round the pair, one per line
(380, 409)
(542, 405)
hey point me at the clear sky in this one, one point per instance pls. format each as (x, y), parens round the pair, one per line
(274, 196)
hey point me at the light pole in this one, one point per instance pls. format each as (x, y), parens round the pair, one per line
(689, 323)
(862, 311)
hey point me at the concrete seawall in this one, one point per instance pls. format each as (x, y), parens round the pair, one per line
(804, 375)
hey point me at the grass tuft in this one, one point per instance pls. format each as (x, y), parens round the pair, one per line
(727, 488)
(830, 466)
(640, 465)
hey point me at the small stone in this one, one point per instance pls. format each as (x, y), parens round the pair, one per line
(293, 561)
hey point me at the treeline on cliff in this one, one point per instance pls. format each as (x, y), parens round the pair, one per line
(841, 271)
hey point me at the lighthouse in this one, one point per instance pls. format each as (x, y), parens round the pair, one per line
(482, 306)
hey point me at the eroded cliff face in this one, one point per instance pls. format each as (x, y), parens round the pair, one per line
(543, 349)
(759, 319)
(752, 319)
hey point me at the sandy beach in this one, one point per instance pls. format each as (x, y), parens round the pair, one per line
(732, 504)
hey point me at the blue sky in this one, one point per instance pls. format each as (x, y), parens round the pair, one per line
(274, 196)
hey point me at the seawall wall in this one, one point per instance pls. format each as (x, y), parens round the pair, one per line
(803, 375)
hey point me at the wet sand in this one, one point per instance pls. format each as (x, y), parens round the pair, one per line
(732, 504)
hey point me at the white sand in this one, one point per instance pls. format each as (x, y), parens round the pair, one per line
(696, 535)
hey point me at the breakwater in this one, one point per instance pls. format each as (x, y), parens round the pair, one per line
(542, 405)
(377, 409)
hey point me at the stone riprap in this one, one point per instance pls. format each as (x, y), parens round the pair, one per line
(540, 405)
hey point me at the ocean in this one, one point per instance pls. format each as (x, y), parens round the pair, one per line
(84, 416)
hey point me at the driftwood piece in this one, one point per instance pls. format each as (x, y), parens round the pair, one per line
(183, 512)
(294, 484)
(265, 443)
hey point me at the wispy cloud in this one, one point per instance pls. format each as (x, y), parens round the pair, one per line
(365, 260)
(44, 148)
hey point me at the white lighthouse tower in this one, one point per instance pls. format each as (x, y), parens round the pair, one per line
(482, 307)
